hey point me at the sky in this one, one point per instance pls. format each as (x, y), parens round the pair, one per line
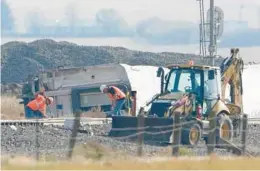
(134, 10)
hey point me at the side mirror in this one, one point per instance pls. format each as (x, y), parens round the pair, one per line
(159, 72)
(211, 75)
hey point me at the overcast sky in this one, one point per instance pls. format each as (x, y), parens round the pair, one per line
(135, 10)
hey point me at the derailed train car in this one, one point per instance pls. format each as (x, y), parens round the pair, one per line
(78, 88)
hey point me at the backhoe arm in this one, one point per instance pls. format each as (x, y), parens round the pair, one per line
(231, 70)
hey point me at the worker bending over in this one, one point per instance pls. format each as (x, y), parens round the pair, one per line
(116, 96)
(37, 107)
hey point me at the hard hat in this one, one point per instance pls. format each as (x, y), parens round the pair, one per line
(50, 99)
(102, 87)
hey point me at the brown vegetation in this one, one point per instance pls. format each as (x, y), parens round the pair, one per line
(10, 108)
(207, 163)
(93, 150)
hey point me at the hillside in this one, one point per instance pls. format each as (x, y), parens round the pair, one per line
(20, 59)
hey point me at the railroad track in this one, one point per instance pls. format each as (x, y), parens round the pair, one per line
(57, 121)
(83, 121)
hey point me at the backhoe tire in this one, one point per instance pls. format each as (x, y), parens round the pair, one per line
(224, 128)
(191, 135)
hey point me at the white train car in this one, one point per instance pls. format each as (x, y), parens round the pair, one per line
(78, 88)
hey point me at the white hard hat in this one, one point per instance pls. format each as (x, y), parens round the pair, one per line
(50, 99)
(102, 87)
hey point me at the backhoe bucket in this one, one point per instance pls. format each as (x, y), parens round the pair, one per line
(156, 129)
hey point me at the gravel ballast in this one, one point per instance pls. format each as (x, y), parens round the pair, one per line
(54, 141)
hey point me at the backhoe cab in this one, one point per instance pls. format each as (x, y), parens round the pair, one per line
(196, 86)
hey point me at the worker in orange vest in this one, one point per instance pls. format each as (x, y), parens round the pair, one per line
(37, 107)
(116, 96)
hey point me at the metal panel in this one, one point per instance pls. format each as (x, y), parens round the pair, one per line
(60, 102)
(61, 106)
(90, 75)
(75, 95)
(93, 99)
(64, 104)
(84, 76)
(94, 94)
(58, 92)
(67, 105)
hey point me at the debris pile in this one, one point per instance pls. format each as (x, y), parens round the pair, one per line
(38, 55)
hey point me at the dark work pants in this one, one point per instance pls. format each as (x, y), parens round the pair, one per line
(118, 107)
(29, 113)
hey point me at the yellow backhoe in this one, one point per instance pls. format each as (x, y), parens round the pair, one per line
(198, 92)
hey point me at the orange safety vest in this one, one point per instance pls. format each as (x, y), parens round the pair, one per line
(118, 94)
(39, 103)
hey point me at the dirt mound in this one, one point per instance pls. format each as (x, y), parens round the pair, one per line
(44, 54)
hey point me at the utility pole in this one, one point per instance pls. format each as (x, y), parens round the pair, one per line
(214, 29)
(212, 42)
(203, 48)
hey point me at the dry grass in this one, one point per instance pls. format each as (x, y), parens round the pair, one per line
(99, 151)
(10, 108)
(93, 150)
(93, 156)
(210, 163)
(90, 152)
(183, 151)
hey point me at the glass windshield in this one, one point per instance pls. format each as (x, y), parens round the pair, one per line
(171, 81)
(184, 82)
(181, 80)
(211, 87)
